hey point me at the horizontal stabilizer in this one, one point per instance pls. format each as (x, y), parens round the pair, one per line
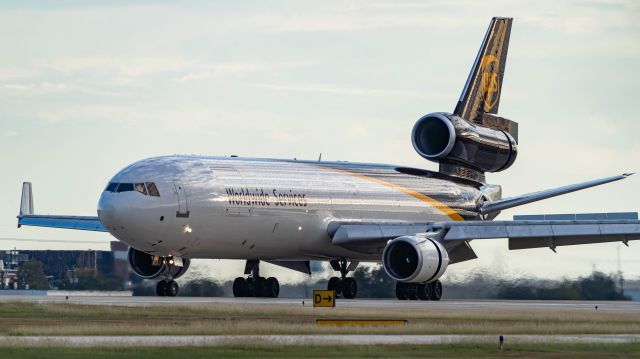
(499, 205)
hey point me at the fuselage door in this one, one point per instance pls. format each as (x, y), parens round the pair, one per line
(181, 194)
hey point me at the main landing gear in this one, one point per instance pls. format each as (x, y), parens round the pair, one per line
(422, 291)
(255, 285)
(345, 287)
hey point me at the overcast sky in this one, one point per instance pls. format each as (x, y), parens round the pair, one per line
(89, 87)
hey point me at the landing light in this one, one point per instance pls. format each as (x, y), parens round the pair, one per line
(299, 228)
(187, 229)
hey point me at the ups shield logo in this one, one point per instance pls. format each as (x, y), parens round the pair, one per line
(490, 82)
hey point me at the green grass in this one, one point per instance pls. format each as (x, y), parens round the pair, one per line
(309, 352)
(25, 318)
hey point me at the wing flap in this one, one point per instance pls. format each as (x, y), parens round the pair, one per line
(366, 232)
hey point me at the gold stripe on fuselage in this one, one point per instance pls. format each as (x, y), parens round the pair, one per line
(451, 213)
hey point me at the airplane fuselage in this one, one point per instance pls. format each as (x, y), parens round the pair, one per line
(239, 208)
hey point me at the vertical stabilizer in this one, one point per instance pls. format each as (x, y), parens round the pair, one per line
(26, 203)
(481, 93)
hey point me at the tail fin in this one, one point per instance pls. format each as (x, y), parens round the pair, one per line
(26, 202)
(481, 93)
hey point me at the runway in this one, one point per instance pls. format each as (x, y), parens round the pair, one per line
(339, 339)
(340, 303)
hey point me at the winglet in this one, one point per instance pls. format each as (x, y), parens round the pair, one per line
(26, 203)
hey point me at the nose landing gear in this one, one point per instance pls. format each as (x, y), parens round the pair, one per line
(255, 285)
(345, 287)
(167, 288)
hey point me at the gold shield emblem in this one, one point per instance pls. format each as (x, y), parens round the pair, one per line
(490, 82)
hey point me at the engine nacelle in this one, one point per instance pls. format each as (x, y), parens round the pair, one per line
(445, 137)
(415, 259)
(149, 266)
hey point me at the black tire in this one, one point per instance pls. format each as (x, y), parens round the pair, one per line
(334, 284)
(272, 288)
(436, 290)
(349, 288)
(401, 291)
(250, 287)
(259, 287)
(424, 291)
(412, 291)
(172, 288)
(161, 289)
(240, 287)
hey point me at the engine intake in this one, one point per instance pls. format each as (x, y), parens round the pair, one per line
(415, 259)
(445, 137)
(149, 266)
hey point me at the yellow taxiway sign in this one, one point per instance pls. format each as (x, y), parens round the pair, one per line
(324, 298)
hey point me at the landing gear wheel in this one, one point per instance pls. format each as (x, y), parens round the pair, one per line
(436, 290)
(271, 288)
(424, 291)
(334, 284)
(171, 288)
(401, 291)
(161, 288)
(412, 291)
(240, 287)
(259, 286)
(349, 288)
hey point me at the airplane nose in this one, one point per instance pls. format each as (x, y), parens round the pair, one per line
(107, 210)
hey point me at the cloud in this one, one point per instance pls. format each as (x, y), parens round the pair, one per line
(31, 89)
(345, 90)
(9, 133)
(238, 69)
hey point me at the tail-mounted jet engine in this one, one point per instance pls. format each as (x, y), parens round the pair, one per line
(149, 266)
(415, 259)
(447, 138)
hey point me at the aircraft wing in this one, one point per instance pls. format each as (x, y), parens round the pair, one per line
(523, 232)
(28, 218)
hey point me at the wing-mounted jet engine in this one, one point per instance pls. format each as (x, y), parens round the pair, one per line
(473, 139)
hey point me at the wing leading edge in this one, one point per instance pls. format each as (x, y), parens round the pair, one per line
(523, 232)
(28, 218)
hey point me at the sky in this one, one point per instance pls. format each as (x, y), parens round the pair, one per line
(89, 87)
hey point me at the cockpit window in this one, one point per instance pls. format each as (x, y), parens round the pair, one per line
(153, 190)
(125, 187)
(146, 188)
(141, 188)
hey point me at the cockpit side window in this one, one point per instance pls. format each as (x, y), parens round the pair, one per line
(141, 188)
(125, 187)
(153, 190)
(111, 187)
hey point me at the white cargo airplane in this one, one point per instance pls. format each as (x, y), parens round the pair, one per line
(172, 209)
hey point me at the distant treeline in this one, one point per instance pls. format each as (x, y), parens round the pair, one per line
(374, 283)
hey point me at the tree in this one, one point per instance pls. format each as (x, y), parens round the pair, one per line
(89, 279)
(31, 274)
(373, 282)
